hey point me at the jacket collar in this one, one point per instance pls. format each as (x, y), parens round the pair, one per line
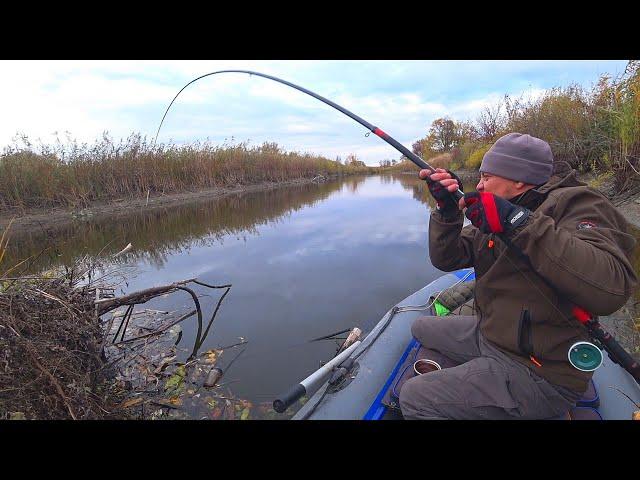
(533, 198)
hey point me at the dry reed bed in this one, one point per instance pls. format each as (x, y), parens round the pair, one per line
(76, 175)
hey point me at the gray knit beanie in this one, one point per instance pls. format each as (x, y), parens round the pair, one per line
(519, 157)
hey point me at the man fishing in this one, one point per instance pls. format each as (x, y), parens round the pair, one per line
(541, 245)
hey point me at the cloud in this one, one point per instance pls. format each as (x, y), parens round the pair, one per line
(401, 97)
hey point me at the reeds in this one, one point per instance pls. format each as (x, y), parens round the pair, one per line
(76, 175)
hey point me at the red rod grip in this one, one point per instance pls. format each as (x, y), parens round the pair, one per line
(581, 315)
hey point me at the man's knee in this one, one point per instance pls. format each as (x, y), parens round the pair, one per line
(414, 400)
(422, 327)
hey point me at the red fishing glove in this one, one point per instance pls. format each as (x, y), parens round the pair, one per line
(492, 214)
(446, 203)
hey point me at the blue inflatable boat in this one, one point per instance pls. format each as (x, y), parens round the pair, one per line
(384, 358)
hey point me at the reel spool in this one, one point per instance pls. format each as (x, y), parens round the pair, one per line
(585, 356)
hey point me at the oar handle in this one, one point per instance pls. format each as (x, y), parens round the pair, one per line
(312, 382)
(294, 394)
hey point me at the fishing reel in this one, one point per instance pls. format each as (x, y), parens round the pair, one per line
(585, 356)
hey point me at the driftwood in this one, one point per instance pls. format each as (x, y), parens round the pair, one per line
(105, 305)
(56, 358)
(51, 378)
(214, 375)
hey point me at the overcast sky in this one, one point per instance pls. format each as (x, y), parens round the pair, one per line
(402, 97)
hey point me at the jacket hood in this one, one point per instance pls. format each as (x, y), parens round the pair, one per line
(559, 180)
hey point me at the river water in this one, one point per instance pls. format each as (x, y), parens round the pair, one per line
(304, 262)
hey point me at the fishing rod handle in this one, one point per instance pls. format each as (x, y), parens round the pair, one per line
(294, 394)
(614, 349)
(457, 195)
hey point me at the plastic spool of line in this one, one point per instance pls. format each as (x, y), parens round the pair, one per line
(585, 356)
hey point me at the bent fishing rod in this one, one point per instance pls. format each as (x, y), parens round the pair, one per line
(377, 131)
(613, 348)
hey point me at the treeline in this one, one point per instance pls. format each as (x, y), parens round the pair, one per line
(593, 130)
(75, 175)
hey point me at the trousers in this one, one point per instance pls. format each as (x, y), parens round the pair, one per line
(485, 385)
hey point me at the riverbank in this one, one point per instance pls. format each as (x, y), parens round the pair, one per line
(51, 346)
(26, 220)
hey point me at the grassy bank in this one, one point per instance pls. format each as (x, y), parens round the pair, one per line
(77, 175)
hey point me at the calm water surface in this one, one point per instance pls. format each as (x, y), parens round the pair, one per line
(304, 262)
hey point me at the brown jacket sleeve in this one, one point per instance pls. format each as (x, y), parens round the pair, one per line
(450, 245)
(591, 266)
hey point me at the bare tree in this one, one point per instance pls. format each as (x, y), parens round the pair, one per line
(490, 122)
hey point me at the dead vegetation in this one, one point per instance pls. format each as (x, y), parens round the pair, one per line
(50, 342)
(71, 349)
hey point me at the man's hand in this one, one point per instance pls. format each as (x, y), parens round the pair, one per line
(492, 214)
(441, 188)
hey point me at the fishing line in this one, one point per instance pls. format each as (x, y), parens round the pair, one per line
(384, 136)
(509, 245)
(411, 308)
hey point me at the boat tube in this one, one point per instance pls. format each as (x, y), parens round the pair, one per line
(378, 359)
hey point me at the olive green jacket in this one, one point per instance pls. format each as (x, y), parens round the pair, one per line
(579, 254)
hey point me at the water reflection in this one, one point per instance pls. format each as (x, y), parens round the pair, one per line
(160, 233)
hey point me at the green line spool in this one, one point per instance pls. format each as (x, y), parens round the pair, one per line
(585, 356)
(441, 310)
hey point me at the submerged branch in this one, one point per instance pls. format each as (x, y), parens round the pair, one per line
(160, 330)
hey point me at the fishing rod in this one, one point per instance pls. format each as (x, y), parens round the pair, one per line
(615, 351)
(458, 194)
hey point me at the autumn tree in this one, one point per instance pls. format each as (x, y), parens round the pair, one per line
(423, 148)
(443, 134)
